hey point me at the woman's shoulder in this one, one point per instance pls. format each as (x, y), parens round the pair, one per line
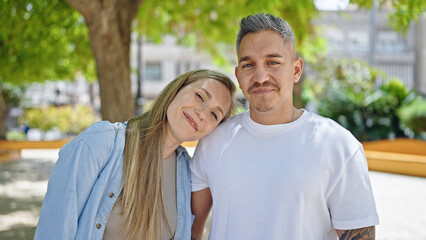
(103, 127)
(103, 137)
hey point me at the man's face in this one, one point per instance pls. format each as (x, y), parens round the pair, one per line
(266, 72)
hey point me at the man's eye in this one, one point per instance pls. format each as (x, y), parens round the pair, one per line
(272, 63)
(199, 97)
(247, 65)
(214, 115)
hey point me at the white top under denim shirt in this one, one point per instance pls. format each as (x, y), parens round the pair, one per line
(86, 181)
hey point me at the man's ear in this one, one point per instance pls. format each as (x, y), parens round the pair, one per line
(236, 74)
(297, 69)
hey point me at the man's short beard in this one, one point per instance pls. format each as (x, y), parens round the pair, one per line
(262, 108)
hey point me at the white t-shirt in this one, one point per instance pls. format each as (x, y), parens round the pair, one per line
(300, 180)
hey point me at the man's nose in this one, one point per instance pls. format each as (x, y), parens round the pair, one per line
(261, 74)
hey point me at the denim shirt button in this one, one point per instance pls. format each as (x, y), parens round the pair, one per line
(98, 226)
(111, 195)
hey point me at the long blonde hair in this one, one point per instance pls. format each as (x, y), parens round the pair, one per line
(142, 199)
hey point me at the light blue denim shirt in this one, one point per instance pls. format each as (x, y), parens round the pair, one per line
(86, 181)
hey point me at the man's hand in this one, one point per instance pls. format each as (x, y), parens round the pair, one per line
(367, 233)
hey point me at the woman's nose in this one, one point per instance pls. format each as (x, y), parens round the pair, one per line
(201, 112)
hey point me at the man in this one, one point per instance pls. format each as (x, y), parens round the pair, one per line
(277, 172)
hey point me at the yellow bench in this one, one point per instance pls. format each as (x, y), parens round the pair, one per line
(10, 150)
(401, 156)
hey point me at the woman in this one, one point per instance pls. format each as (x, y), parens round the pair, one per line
(132, 180)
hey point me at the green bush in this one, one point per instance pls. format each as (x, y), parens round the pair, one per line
(68, 119)
(346, 92)
(15, 135)
(413, 115)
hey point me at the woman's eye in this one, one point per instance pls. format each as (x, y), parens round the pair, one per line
(214, 115)
(199, 97)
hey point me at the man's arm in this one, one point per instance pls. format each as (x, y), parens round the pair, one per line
(201, 204)
(367, 233)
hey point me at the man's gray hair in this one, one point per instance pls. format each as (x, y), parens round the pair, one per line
(263, 21)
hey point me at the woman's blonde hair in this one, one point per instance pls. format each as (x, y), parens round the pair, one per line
(142, 198)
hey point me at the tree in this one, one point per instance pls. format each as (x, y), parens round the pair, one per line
(10, 95)
(109, 23)
(208, 25)
(39, 40)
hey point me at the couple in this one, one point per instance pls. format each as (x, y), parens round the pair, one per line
(274, 172)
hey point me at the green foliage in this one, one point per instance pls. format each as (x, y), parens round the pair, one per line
(15, 135)
(403, 12)
(345, 91)
(42, 40)
(67, 119)
(48, 40)
(413, 115)
(211, 26)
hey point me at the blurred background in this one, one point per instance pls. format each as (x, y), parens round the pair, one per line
(66, 64)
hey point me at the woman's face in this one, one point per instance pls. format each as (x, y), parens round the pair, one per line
(197, 109)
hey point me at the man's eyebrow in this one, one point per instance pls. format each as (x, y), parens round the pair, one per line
(274, 55)
(271, 55)
(210, 96)
(246, 58)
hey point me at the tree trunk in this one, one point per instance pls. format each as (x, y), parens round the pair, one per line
(3, 115)
(109, 23)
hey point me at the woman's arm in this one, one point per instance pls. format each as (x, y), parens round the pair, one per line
(69, 187)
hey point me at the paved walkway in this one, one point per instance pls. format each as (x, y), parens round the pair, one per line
(401, 200)
(401, 203)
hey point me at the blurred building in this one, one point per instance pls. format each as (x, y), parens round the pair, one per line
(161, 63)
(367, 35)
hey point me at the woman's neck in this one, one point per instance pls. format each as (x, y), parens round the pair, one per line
(170, 143)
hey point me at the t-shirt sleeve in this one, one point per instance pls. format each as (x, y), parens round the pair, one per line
(351, 203)
(198, 180)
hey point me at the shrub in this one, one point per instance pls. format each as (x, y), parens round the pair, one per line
(68, 119)
(413, 115)
(346, 92)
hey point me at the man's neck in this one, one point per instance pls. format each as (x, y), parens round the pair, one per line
(274, 117)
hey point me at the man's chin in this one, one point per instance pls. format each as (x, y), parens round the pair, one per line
(262, 108)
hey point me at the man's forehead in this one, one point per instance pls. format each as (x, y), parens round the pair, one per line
(267, 43)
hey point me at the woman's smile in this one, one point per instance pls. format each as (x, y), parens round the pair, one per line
(191, 121)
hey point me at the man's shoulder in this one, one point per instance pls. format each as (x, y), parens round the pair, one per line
(230, 123)
(330, 129)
